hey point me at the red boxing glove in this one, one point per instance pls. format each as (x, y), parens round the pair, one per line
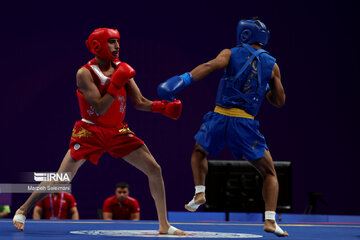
(121, 75)
(169, 109)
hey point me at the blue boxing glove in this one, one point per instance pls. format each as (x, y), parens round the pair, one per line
(170, 87)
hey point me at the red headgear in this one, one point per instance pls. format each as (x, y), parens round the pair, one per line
(97, 42)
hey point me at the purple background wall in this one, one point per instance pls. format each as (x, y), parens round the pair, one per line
(314, 41)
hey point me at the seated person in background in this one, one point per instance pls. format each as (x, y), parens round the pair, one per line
(121, 206)
(56, 206)
(4, 211)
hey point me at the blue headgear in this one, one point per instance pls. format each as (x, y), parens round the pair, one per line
(252, 31)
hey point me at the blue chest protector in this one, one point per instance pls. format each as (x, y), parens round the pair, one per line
(244, 82)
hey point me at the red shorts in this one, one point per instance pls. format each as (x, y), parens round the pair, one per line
(90, 141)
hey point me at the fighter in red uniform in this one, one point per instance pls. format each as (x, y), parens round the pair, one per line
(103, 86)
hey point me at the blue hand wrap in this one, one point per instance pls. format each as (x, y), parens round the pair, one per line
(187, 78)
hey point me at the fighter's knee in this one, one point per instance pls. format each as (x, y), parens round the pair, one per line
(271, 171)
(154, 169)
(199, 149)
(271, 176)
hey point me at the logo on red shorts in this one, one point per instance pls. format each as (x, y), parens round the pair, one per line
(77, 146)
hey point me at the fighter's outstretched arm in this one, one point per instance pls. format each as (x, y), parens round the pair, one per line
(137, 99)
(276, 95)
(170, 87)
(169, 109)
(86, 85)
(203, 70)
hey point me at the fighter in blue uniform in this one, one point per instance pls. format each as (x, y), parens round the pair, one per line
(250, 75)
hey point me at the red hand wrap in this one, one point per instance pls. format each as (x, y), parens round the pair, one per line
(169, 109)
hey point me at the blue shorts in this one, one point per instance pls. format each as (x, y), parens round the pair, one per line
(240, 134)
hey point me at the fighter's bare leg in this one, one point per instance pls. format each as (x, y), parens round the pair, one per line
(199, 167)
(68, 164)
(142, 159)
(270, 191)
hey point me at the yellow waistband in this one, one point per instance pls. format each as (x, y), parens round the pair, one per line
(125, 130)
(233, 112)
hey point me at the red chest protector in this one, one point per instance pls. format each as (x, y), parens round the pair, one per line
(115, 115)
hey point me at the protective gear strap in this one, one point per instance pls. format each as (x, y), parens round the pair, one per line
(254, 54)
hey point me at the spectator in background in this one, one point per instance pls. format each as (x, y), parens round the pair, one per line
(121, 206)
(4, 211)
(57, 206)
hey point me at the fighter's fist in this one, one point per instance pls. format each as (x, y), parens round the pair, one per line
(121, 75)
(169, 109)
(170, 87)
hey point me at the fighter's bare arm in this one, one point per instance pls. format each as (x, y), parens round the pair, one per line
(203, 70)
(168, 89)
(138, 100)
(276, 95)
(86, 85)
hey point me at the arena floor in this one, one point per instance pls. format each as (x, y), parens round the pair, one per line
(147, 230)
